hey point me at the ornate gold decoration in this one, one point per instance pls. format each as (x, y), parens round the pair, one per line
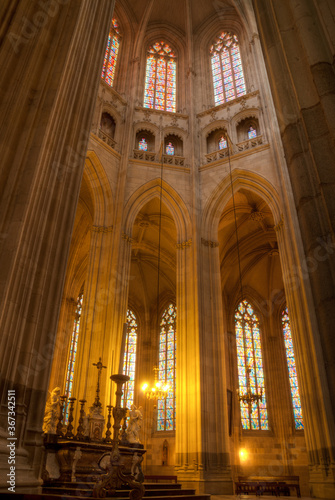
(102, 229)
(280, 224)
(158, 390)
(184, 244)
(209, 243)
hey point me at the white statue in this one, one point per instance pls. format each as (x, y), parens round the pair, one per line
(134, 424)
(52, 412)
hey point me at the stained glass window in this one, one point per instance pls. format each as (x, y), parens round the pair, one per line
(73, 353)
(228, 77)
(143, 145)
(160, 78)
(222, 143)
(252, 133)
(292, 370)
(249, 357)
(169, 149)
(111, 54)
(166, 419)
(129, 360)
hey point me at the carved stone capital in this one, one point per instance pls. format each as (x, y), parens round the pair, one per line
(209, 243)
(184, 244)
(102, 229)
(127, 238)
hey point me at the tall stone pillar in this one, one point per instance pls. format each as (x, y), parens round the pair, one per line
(299, 58)
(214, 374)
(189, 460)
(51, 56)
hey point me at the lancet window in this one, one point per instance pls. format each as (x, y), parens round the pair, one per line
(227, 71)
(160, 78)
(250, 367)
(166, 419)
(111, 54)
(292, 370)
(129, 360)
(73, 352)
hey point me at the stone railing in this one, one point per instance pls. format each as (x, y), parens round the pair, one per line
(144, 155)
(174, 160)
(250, 143)
(217, 155)
(107, 139)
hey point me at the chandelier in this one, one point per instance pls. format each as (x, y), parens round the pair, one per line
(158, 390)
(249, 397)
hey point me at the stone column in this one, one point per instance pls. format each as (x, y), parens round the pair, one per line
(189, 460)
(214, 373)
(301, 73)
(51, 56)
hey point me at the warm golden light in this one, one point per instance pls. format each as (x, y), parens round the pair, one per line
(243, 454)
(158, 391)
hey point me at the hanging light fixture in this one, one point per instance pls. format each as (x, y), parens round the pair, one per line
(159, 390)
(248, 397)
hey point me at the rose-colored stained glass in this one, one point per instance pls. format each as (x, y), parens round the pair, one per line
(166, 419)
(249, 356)
(292, 370)
(227, 71)
(111, 54)
(160, 78)
(143, 145)
(252, 132)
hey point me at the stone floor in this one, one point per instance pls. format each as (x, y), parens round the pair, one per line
(253, 497)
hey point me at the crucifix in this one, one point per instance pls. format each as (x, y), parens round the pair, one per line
(99, 366)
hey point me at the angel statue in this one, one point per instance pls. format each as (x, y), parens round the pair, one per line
(52, 412)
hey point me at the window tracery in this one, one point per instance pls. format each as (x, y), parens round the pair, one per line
(160, 79)
(292, 370)
(166, 419)
(249, 356)
(73, 353)
(129, 359)
(111, 54)
(227, 71)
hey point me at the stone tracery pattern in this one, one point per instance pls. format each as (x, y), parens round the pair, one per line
(129, 360)
(292, 370)
(73, 352)
(167, 369)
(228, 77)
(111, 54)
(249, 355)
(160, 80)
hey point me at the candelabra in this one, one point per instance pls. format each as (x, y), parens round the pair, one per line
(249, 397)
(158, 390)
(116, 477)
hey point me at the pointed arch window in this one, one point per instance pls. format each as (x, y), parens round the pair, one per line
(160, 78)
(143, 145)
(222, 143)
(227, 71)
(249, 356)
(169, 150)
(129, 360)
(292, 370)
(166, 419)
(73, 352)
(111, 54)
(252, 132)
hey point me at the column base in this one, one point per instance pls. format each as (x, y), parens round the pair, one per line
(16, 474)
(322, 482)
(213, 483)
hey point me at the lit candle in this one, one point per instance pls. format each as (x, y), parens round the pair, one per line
(123, 347)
